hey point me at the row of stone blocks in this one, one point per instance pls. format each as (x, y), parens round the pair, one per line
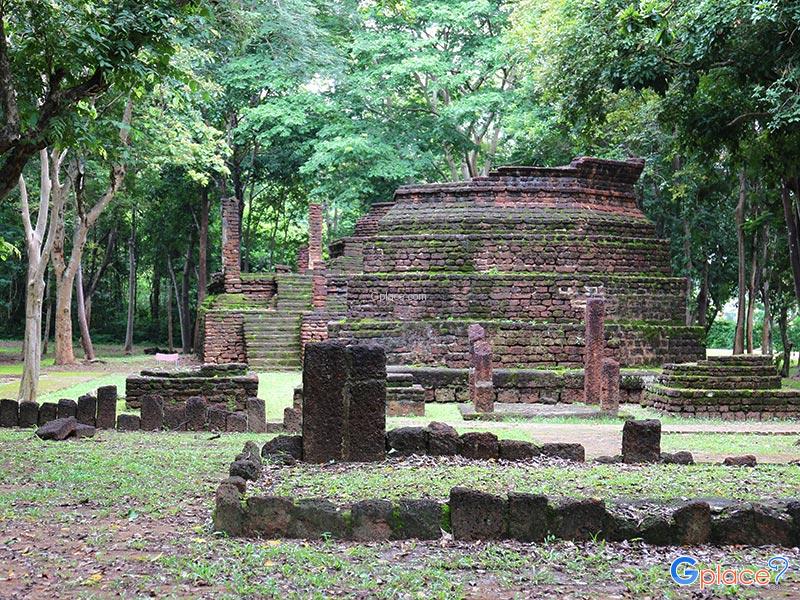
(197, 415)
(97, 411)
(641, 443)
(474, 515)
(440, 439)
(525, 386)
(101, 412)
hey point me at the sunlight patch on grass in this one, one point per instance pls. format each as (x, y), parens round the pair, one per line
(276, 388)
(667, 482)
(732, 444)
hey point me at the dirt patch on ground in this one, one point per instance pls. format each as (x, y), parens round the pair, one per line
(76, 552)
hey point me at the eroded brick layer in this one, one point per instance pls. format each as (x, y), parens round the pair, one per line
(519, 252)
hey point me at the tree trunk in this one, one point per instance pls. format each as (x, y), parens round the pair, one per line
(783, 326)
(170, 335)
(85, 220)
(202, 267)
(703, 298)
(766, 331)
(31, 348)
(738, 338)
(177, 295)
(64, 352)
(48, 293)
(98, 275)
(247, 228)
(186, 317)
(687, 255)
(155, 301)
(83, 323)
(792, 220)
(752, 286)
(131, 285)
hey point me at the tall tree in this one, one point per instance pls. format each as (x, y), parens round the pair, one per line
(56, 55)
(66, 268)
(39, 238)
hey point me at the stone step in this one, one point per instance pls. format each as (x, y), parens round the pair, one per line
(276, 335)
(414, 393)
(275, 365)
(278, 355)
(740, 360)
(271, 320)
(399, 378)
(276, 325)
(708, 370)
(278, 368)
(272, 345)
(292, 277)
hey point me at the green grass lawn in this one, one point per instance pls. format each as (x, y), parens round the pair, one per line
(129, 515)
(733, 444)
(401, 479)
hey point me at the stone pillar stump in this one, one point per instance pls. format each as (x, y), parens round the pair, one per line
(594, 350)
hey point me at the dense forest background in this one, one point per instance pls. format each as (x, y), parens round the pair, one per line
(149, 112)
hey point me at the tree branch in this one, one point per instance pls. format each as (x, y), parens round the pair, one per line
(8, 97)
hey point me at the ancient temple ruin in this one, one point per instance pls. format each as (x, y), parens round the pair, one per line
(517, 252)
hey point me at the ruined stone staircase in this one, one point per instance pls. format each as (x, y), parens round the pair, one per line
(272, 337)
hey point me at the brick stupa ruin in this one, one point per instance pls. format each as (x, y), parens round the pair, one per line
(518, 252)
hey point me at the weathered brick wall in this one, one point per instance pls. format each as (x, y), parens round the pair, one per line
(302, 259)
(337, 293)
(223, 337)
(347, 254)
(605, 185)
(314, 328)
(543, 297)
(260, 287)
(516, 385)
(314, 235)
(521, 343)
(461, 215)
(510, 252)
(229, 388)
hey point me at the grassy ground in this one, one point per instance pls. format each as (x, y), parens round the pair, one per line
(128, 515)
(434, 479)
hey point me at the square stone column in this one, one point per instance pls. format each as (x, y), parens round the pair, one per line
(231, 245)
(641, 441)
(324, 401)
(365, 439)
(481, 389)
(344, 402)
(319, 287)
(594, 350)
(314, 235)
(609, 400)
(475, 333)
(302, 259)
